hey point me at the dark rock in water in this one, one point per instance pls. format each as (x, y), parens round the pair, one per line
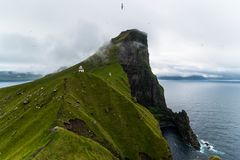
(207, 144)
(182, 122)
(134, 57)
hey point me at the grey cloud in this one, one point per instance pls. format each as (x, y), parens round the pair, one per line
(185, 37)
(51, 52)
(18, 48)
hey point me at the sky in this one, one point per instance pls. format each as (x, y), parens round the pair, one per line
(187, 37)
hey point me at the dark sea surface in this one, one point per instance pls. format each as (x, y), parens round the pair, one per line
(214, 112)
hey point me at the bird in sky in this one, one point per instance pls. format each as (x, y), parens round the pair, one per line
(121, 6)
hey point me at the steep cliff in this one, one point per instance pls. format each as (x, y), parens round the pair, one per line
(97, 109)
(133, 56)
(86, 114)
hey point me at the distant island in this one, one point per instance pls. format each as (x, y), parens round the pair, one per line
(11, 76)
(223, 78)
(182, 77)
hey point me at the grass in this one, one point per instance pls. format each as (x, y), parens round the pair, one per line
(76, 147)
(123, 128)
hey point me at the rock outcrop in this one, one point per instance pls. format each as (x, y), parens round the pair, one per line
(133, 56)
(214, 158)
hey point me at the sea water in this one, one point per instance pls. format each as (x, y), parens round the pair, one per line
(214, 112)
(7, 84)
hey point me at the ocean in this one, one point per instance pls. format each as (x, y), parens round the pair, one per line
(214, 112)
(7, 84)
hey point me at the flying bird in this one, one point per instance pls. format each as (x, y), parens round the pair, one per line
(121, 6)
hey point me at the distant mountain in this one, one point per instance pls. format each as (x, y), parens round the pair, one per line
(10, 76)
(220, 78)
(182, 78)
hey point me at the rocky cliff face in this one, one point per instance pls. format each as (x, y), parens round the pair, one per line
(133, 55)
(134, 58)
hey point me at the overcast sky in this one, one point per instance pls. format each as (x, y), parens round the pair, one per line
(186, 37)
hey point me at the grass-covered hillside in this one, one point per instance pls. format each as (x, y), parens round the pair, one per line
(71, 115)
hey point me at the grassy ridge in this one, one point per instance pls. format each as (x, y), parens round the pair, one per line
(75, 146)
(121, 127)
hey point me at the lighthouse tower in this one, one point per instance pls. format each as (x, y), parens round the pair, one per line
(81, 70)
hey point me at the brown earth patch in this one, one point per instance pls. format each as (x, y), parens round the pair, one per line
(80, 127)
(144, 156)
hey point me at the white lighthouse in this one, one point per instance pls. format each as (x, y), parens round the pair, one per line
(81, 70)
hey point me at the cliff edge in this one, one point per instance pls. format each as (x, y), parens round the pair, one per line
(133, 56)
(83, 112)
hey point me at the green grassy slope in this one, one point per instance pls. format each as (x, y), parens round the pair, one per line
(76, 147)
(111, 125)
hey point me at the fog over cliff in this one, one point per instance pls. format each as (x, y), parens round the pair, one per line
(185, 37)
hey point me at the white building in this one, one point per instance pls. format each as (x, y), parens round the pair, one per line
(81, 69)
